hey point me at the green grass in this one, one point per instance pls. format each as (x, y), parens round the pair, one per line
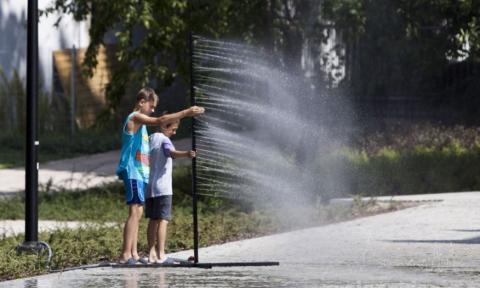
(97, 204)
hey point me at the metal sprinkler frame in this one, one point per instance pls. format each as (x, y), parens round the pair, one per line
(193, 262)
(194, 181)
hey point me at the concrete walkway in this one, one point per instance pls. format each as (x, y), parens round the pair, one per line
(77, 173)
(435, 244)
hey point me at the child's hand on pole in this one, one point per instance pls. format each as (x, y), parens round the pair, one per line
(196, 110)
(192, 154)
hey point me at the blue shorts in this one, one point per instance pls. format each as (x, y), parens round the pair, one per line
(134, 191)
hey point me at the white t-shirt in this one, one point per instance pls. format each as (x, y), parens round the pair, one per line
(160, 180)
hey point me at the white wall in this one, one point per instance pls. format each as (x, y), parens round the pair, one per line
(13, 38)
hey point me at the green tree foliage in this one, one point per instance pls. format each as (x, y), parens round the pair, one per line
(152, 34)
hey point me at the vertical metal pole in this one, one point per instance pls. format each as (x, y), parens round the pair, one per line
(194, 161)
(73, 86)
(31, 163)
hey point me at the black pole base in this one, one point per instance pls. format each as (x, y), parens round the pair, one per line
(180, 263)
(37, 247)
(185, 264)
(242, 264)
(30, 246)
(34, 247)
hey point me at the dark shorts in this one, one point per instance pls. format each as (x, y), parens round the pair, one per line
(134, 191)
(160, 207)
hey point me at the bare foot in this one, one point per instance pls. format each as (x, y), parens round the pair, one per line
(152, 257)
(161, 255)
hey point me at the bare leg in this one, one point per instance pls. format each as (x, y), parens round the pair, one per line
(162, 237)
(152, 237)
(138, 216)
(125, 251)
(129, 231)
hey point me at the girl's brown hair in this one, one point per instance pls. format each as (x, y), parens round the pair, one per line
(147, 94)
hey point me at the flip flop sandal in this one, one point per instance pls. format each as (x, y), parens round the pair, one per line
(168, 260)
(130, 261)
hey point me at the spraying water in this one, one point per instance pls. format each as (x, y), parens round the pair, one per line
(263, 135)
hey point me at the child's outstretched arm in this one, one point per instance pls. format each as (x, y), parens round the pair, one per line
(183, 154)
(168, 118)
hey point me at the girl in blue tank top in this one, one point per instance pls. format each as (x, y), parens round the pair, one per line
(134, 155)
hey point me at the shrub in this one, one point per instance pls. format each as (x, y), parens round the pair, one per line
(422, 170)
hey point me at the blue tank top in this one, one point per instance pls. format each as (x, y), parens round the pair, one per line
(134, 160)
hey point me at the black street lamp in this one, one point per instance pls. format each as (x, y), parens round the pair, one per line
(31, 161)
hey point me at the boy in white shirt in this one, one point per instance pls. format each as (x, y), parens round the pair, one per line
(158, 205)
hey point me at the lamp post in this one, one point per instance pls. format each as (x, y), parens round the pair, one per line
(31, 242)
(31, 163)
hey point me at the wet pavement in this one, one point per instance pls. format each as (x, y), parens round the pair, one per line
(282, 276)
(435, 244)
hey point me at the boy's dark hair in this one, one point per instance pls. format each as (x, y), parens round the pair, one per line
(176, 122)
(168, 125)
(147, 94)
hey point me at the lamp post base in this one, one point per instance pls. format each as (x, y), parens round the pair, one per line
(34, 247)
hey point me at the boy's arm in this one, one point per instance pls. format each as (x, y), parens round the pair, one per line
(167, 118)
(182, 154)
